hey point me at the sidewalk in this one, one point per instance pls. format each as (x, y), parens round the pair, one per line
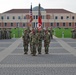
(61, 59)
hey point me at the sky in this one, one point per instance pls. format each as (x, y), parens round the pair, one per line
(6, 5)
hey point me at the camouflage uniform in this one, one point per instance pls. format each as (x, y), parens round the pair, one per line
(39, 41)
(3, 37)
(51, 33)
(30, 36)
(46, 41)
(34, 39)
(25, 42)
(73, 33)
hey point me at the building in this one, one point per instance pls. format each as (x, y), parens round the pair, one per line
(50, 18)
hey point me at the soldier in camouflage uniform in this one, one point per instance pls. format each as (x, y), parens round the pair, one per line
(25, 41)
(3, 36)
(30, 41)
(74, 33)
(39, 41)
(51, 32)
(34, 41)
(46, 41)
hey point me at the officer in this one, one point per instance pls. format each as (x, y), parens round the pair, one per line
(46, 41)
(25, 41)
(39, 41)
(34, 41)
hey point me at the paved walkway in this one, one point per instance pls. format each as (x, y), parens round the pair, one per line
(61, 59)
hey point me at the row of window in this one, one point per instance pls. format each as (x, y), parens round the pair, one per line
(35, 24)
(64, 24)
(36, 17)
(67, 17)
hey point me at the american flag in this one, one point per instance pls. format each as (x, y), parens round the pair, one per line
(31, 16)
(39, 19)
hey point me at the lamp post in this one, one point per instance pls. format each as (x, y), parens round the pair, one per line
(18, 30)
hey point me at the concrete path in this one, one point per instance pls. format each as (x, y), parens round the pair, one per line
(61, 59)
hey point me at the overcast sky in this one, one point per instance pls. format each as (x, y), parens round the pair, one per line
(6, 5)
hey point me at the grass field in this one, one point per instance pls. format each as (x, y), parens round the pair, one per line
(62, 32)
(16, 33)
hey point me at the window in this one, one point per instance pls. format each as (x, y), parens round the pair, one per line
(2, 17)
(33, 24)
(61, 17)
(13, 17)
(63, 24)
(43, 24)
(11, 24)
(7, 17)
(67, 17)
(19, 17)
(56, 17)
(73, 17)
(23, 24)
(18, 24)
(43, 17)
(5, 24)
(51, 24)
(24, 17)
(57, 24)
(36, 17)
(69, 24)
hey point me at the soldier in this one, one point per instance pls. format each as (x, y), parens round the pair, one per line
(3, 36)
(25, 41)
(9, 33)
(74, 33)
(51, 32)
(46, 41)
(39, 41)
(30, 41)
(34, 41)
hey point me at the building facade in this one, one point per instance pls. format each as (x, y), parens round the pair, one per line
(50, 18)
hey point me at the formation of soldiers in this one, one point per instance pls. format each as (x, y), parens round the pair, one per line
(74, 33)
(5, 33)
(35, 37)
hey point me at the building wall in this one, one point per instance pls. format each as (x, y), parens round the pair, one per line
(47, 19)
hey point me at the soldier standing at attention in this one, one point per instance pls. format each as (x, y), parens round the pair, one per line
(34, 41)
(39, 41)
(25, 41)
(46, 41)
(30, 41)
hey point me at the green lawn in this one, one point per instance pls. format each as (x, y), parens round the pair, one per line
(16, 33)
(67, 32)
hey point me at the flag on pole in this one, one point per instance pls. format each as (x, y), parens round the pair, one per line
(39, 19)
(31, 16)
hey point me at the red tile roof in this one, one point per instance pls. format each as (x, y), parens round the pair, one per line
(17, 11)
(57, 11)
(47, 10)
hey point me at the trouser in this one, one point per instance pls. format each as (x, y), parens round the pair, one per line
(39, 47)
(34, 49)
(26, 48)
